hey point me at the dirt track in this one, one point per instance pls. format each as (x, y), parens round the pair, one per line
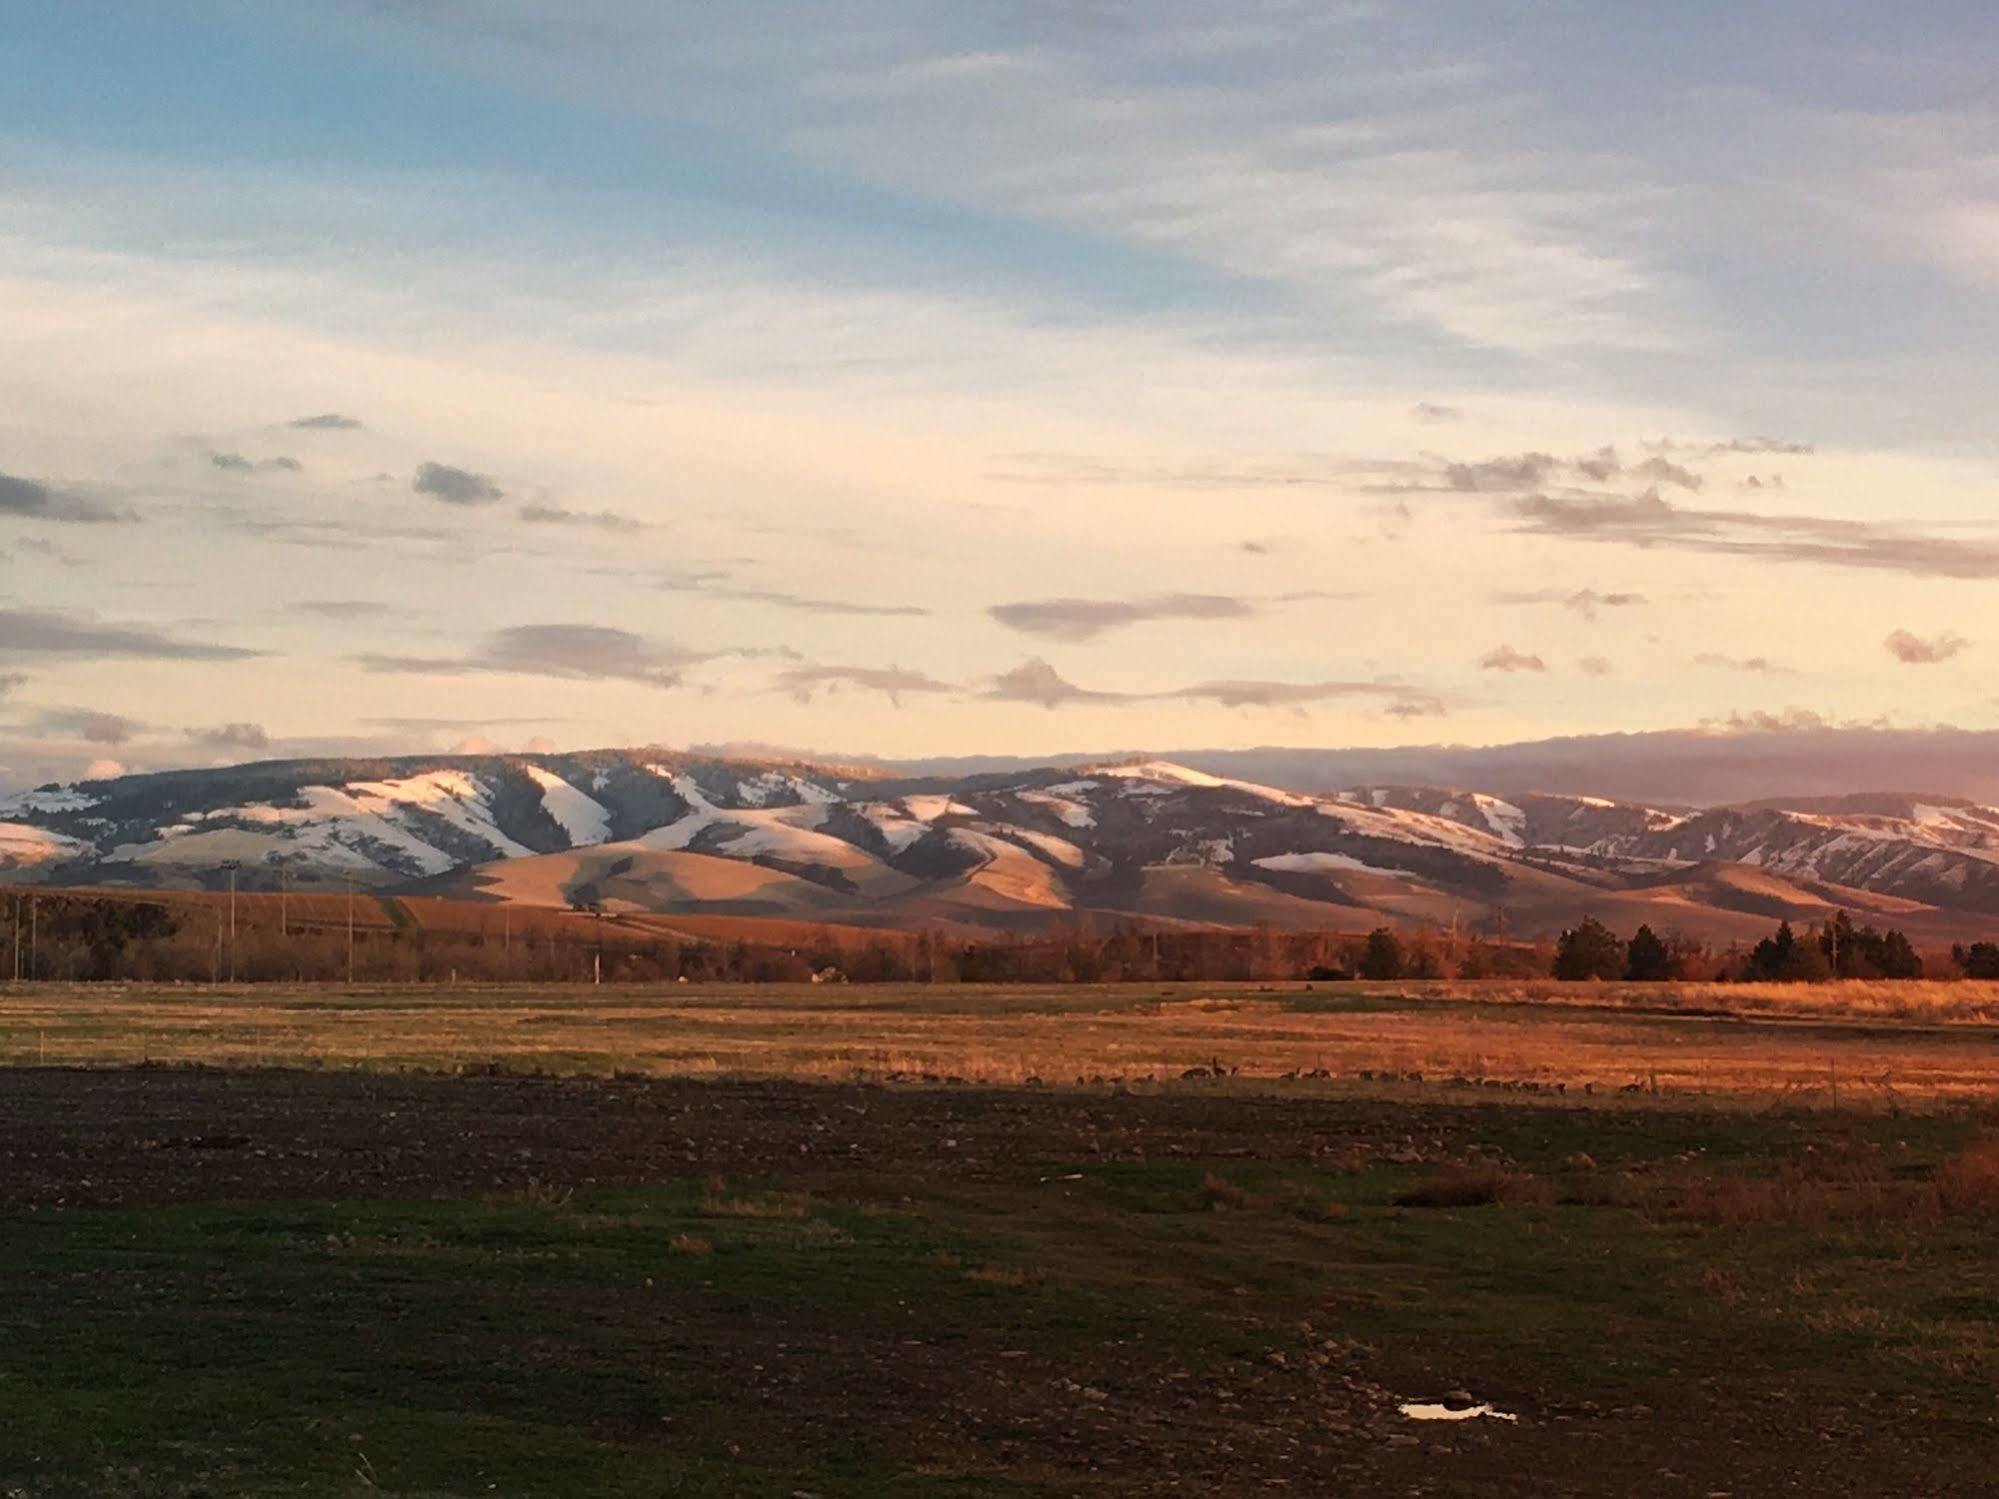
(101, 1138)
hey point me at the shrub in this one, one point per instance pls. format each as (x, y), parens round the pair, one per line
(1969, 1181)
(1475, 1187)
(1217, 1193)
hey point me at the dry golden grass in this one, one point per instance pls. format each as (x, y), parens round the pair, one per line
(765, 1205)
(534, 1193)
(1218, 1193)
(1969, 1181)
(1851, 1184)
(1546, 1042)
(1010, 1276)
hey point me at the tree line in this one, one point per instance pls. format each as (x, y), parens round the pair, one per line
(1836, 949)
(81, 936)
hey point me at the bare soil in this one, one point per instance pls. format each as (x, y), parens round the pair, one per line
(1282, 1403)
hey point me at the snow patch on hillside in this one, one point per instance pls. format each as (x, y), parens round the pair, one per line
(1158, 776)
(760, 791)
(898, 829)
(1059, 850)
(1073, 788)
(930, 808)
(1073, 813)
(1325, 863)
(23, 843)
(461, 799)
(1507, 821)
(48, 799)
(584, 820)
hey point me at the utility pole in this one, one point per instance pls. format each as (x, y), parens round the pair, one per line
(232, 866)
(31, 937)
(350, 928)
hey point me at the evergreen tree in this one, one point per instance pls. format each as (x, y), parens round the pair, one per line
(1589, 951)
(1844, 948)
(1783, 959)
(1978, 961)
(1382, 957)
(1647, 960)
(1895, 958)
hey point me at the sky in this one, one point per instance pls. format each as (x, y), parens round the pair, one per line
(909, 379)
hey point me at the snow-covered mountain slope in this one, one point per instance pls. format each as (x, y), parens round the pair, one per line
(655, 830)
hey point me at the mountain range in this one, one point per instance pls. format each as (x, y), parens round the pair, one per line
(1017, 850)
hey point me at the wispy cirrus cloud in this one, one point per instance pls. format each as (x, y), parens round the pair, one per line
(1756, 445)
(1074, 620)
(1755, 665)
(783, 599)
(342, 608)
(893, 682)
(1648, 520)
(585, 653)
(597, 520)
(1588, 602)
(1038, 683)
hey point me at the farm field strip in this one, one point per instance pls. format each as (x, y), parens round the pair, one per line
(1342, 1036)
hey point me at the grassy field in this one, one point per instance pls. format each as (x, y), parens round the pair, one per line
(1881, 1046)
(692, 1242)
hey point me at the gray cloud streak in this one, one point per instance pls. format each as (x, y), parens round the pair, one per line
(1587, 602)
(1074, 621)
(1650, 521)
(342, 608)
(50, 632)
(455, 486)
(780, 599)
(1913, 650)
(232, 736)
(1036, 682)
(1506, 658)
(28, 499)
(574, 652)
(236, 463)
(600, 520)
(1759, 665)
(894, 682)
(89, 724)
